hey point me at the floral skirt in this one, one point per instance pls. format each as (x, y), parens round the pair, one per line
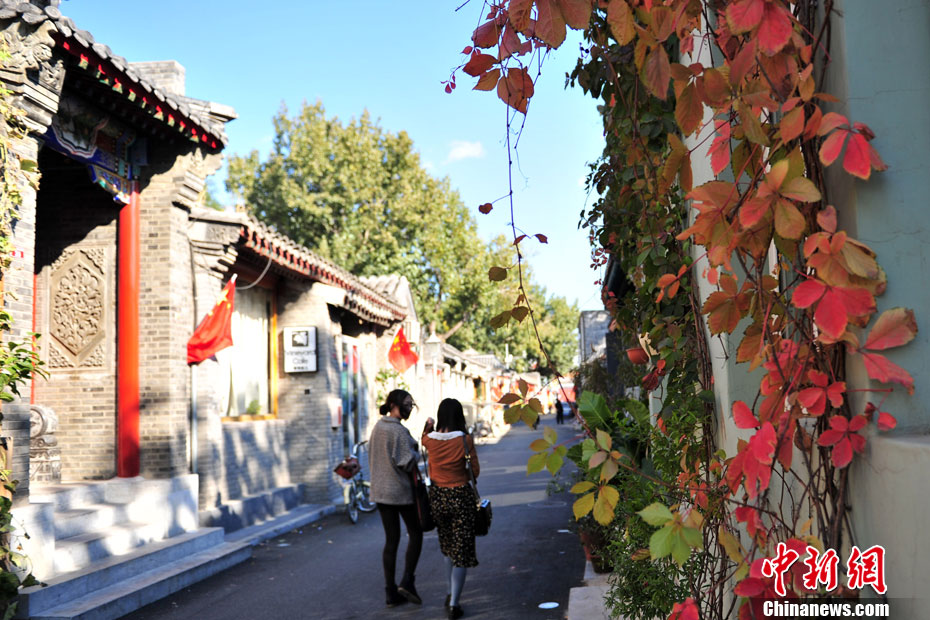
(454, 512)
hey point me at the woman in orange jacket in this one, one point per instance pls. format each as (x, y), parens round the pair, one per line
(452, 498)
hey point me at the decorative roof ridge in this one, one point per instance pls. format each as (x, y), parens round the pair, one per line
(287, 253)
(31, 14)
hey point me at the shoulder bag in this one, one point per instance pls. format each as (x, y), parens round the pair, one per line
(421, 499)
(483, 512)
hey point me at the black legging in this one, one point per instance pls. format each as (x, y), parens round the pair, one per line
(390, 519)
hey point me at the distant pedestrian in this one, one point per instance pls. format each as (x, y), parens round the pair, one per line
(452, 498)
(393, 457)
(559, 412)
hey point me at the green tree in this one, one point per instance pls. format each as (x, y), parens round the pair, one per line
(358, 195)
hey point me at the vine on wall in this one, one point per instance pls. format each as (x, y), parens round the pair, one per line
(795, 291)
(19, 360)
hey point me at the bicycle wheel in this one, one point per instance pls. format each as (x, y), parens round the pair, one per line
(352, 504)
(364, 497)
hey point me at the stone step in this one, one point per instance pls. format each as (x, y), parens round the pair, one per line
(112, 571)
(253, 509)
(82, 550)
(71, 496)
(135, 592)
(92, 517)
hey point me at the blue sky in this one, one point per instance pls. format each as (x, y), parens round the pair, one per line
(390, 58)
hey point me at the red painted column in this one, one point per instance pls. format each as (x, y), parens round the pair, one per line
(127, 326)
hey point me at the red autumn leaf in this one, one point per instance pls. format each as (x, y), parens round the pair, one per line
(857, 161)
(716, 90)
(720, 148)
(542, 238)
(792, 125)
(842, 453)
(689, 111)
(882, 369)
(550, 25)
(448, 88)
(512, 45)
(749, 587)
(577, 13)
(485, 208)
(488, 81)
(743, 416)
(832, 146)
(515, 89)
(478, 64)
(843, 436)
(894, 328)
(467, 50)
(487, 34)
(621, 22)
(826, 218)
(831, 120)
(686, 610)
(744, 15)
(886, 421)
(656, 72)
(520, 12)
(775, 28)
(754, 210)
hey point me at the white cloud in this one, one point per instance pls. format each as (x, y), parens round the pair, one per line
(464, 150)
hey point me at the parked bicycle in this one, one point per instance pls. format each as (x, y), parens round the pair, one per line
(357, 492)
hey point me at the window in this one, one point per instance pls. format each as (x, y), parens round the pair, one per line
(250, 357)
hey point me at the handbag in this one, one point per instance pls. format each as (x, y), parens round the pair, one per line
(348, 467)
(483, 512)
(421, 499)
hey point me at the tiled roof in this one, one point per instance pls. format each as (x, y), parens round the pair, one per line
(361, 299)
(163, 105)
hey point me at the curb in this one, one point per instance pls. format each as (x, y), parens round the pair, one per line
(290, 520)
(587, 602)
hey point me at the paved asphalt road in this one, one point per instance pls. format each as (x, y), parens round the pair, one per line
(331, 569)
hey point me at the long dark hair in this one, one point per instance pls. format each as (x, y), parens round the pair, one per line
(450, 416)
(395, 397)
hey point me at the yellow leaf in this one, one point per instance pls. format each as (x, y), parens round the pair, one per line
(550, 435)
(603, 511)
(603, 440)
(731, 545)
(583, 505)
(539, 445)
(582, 487)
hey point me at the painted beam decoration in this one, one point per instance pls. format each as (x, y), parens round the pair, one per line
(134, 92)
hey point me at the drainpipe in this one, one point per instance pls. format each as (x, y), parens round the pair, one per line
(127, 399)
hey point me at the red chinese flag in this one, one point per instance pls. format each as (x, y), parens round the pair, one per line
(401, 355)
(215, 330)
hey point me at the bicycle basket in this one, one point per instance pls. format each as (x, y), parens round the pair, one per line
(348, 467)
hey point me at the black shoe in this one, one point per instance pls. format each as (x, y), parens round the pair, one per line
(394, 597)
(455, 612)
(409, 592)
(446, 603)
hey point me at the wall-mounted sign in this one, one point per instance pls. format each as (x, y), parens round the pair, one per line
(300, 349)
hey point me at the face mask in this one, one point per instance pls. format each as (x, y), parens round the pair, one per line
(406, 409)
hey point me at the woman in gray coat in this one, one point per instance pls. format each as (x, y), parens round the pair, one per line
(392, 454)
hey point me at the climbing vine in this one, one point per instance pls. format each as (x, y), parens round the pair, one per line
(755, 256)
(18, 359)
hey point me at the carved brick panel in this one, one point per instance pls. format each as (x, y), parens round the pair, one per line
(78, 309)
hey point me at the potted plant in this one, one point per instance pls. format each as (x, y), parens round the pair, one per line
(594, 539)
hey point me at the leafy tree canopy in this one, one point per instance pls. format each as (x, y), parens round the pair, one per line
(358, 195)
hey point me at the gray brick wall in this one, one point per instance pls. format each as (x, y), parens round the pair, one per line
(73, 214)
(18, 280)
